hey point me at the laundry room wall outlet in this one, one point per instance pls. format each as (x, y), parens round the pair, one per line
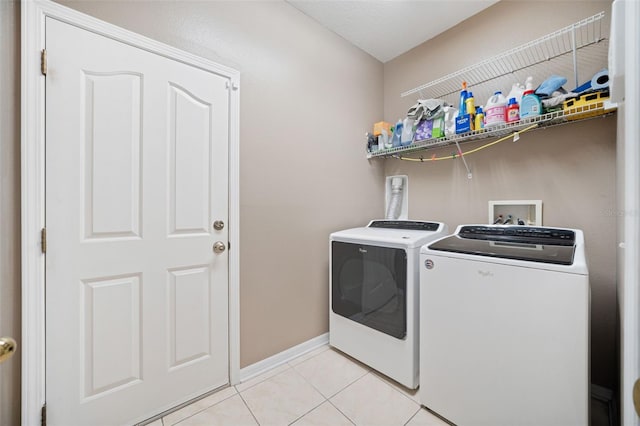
(516, 212)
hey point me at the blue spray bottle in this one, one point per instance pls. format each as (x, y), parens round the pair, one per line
(463, 101)
(397, 134)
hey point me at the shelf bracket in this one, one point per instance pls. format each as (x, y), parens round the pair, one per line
(575, 54)
(466, 166)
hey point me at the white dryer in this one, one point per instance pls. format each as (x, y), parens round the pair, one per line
(374, 294)
(505, 326)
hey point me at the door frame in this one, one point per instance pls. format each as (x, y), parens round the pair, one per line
(34, 13)
(629, 192)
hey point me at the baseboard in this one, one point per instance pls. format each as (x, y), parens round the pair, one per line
(278, 359)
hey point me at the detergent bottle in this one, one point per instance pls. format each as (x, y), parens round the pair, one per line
(513, 111)
(516, 92)
(397, 135)
(479, 120)
(531, 105)
(407, 132)
(470, 104)
(495, 110)
(463, 100)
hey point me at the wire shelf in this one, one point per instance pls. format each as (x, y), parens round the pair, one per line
(556, 52)
(555, 118)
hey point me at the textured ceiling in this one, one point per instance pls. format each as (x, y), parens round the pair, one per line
(388, 28)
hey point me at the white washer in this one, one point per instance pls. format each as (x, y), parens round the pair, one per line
(505, 326)
(373, 297)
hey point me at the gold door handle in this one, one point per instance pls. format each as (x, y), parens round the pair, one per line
(7, 348)
(219, 247)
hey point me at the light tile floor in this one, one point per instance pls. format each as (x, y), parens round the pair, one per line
(323, 387)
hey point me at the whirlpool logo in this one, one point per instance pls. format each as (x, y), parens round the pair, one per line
(361, 250)
(428, 264)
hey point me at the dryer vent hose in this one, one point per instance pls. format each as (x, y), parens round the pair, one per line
(395, 200)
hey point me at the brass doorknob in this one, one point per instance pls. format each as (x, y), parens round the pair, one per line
(219, 247)
(7, 348)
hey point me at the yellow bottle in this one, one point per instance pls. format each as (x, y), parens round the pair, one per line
(479, 121)
(471, 105)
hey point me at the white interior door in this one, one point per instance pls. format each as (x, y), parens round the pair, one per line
(136, 173)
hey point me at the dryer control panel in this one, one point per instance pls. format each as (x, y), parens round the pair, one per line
(413, 225)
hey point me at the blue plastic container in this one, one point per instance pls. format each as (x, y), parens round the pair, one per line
(530, 106)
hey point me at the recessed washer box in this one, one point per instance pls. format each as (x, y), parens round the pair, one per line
(529, 211)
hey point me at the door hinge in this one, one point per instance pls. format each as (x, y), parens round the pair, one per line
(43, 61)
(43, 415)
(43, 240)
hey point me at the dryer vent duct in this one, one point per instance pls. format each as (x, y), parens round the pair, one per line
(396, 198)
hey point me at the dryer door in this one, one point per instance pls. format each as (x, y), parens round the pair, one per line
(368, 285)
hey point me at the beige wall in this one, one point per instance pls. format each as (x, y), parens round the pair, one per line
(10, 206)
(570, 168)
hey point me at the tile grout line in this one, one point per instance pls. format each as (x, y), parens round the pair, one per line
(304, 414)
(383, 379)
(310, 384)
(266, 378)
(295, 371)
(200, 411)
(271, 377)
(249, 408)
(349, 384)
(367, 370)
(340, 411)
(375, 374)
(414, 414)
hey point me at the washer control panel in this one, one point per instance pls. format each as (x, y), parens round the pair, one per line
(519, 234)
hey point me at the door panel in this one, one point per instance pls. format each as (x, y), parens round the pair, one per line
(189, 315)
(111, 115)
(136, 173)
(106, 369)
(190, 135)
